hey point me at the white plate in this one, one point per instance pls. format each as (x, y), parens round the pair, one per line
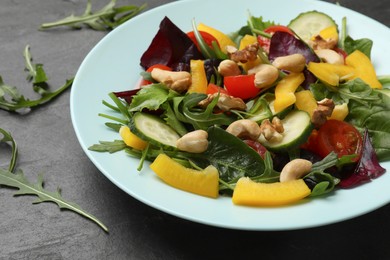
(113, 65)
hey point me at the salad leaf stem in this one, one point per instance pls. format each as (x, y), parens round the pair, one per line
(343, 34)
(113, 118)
(104, 19)
(15, 105)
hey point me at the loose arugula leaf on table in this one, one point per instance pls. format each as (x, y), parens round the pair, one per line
(107, 18)
(16, 179)
(12, 100)
(36, 74)
(7, 137)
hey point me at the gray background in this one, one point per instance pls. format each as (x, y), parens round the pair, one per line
(48, 145)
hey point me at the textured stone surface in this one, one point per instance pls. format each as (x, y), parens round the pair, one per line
(48, 144)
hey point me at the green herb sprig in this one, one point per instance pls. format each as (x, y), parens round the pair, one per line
(105, 19)
(14, 178)
(12, 100)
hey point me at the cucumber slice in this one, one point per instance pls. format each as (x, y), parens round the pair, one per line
(153, 129)
(297, 128)
(308, 24)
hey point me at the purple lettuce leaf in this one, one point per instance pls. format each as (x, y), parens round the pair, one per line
(283, 44)
(171, 47)
(368, 167)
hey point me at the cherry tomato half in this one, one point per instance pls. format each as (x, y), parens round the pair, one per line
(144, 82)
(208, 38)
(266, 42)
(241, 86)
(258, 147)
(212, 88)
(340, 137)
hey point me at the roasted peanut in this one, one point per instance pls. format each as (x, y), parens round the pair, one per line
(179, 81)
(329, 56)
(229, 68)
(265, 75)
(193, 142)
(293, 63)
(295, 169)
(244, 128)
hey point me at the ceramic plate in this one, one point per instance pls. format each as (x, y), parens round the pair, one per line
(113, 65)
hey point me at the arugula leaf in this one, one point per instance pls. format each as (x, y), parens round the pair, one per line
(18, 103)
(107, 146)
(19, 181)
(12, 100)
(151, 97)
(376, 118)
(171, 119)
(16, 179)
(364, 45)
(107, 18)
(186, 110)
(7, 137)
(323, 182)
(36, 74)
(256, 25)
(356, 90)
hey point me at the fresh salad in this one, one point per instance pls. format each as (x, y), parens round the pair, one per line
(269, 114)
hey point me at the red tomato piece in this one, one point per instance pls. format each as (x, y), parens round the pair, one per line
(258, 147)
(208, 38)
(144, 82)
(278, 28)
(340, 137)
(241, 86)
(311, 143)
(212, 88)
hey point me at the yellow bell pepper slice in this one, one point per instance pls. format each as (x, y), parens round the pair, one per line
(305, 101)
(331, 74)
(203, 182)
(364, 68)
(131, 139)
(222, 38)
(285, 89)
(198, 77)
(250, 193)
(329, 33)
(340, 112)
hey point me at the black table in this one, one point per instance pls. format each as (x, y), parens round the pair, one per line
(48, 145)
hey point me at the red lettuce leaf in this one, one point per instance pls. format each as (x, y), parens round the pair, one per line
(283, 44)
(171, 47)
(368, 167)
(127, 95)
